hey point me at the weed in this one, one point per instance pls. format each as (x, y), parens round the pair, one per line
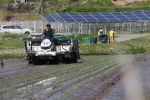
(12, 56)
(55, 87)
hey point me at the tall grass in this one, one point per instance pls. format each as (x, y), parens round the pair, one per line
(9, 40)
(12, 56)
(139, 45)
(7, 1)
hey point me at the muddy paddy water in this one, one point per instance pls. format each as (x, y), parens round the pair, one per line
(104, 77)
(135, 83)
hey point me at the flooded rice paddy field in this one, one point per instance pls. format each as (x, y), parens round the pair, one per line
(103, 77)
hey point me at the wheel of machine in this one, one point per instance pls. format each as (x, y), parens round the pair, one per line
(34, 59)
(74, 57)
(29, 58)
(61, 58)
(57, 61)
(54, 62)
(29, 62)
(69, 60)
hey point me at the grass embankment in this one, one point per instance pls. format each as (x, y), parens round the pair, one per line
(88, 36)
(7, 1)
(11, 41)
(139, 45)
(12, 56)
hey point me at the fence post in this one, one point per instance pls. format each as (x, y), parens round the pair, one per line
(57, 26)
(130, 27)
(81, 28)
(89, 27)
(105, 30)
(42, 26)
(145, 25)
(34, 26)
(22, 24)
(27, 24)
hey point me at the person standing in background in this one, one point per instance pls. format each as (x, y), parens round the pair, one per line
(100, 34)
(111, 36)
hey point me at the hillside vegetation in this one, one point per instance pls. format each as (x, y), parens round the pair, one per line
(7, 1)
(105, 6)
(31, 11)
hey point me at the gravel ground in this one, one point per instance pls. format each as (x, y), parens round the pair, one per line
(125, 37)
(13, 51)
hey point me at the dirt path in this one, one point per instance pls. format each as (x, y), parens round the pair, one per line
(125, 37)
(13, 51)
(119, 2)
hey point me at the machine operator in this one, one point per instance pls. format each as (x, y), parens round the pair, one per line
(48, 33)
